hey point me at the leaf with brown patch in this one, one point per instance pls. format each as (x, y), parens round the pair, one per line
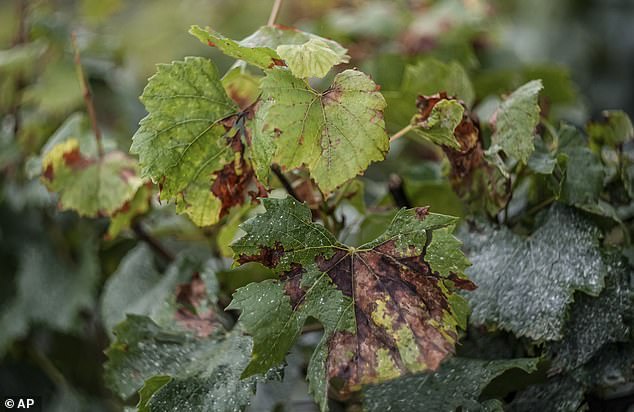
(91, 186)
(388, 307)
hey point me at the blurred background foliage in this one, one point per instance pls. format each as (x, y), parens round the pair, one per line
(54, 265)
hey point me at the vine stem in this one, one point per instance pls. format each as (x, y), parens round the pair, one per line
(401, 132)
(274, 12)
(85, 89)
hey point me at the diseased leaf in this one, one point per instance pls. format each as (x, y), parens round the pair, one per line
(336, 133)
(184, 361)
(241, 86)
(516, 119)
(614, 129)
(584, 172)
(526, 285)
(137, 287)
(122, 218)
(92, 187)
(595, 321)
(456, 385)
(191, 141)
(559, 394)
(387, 307)
(430, 76)
(306, 54)
(437, 118)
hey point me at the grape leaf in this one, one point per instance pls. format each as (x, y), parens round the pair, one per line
(336, 134)
(49, 288)
(184, 361)
(526, 285)
(559, 394)
(515, 121)
(312, 59)
(263, 57)
(584, 171)
(387, 307)
(191, 140)
(138, 205)
(595, 321)
(138, 287)
(615, 128)
(427, 77)
(437, 118)
(306, 54)
(241, 86)
(456, 385)
(92, 187)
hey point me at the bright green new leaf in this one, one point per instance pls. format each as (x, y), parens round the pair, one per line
(515, 121)
(439, 125)
(387, 307)
(526, 285)
(336, 133)
(183, 145)
(92, 187)
(457, 385)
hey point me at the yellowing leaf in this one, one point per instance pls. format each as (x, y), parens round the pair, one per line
(190, 142)
(92, 187)
(311, 59)
(336, 133)
(387, 306)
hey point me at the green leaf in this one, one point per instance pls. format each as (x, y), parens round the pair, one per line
(457, 385)
(336, 134)
(122, 218)
(241, 86)
(183, 145)
(312, 59)
(595, 321)
(137, 287)
(427, 77)
(526, 285)
(559, 394)
(615, 128)
(261, 56)
(516, 119)
(21, 57)
(306, 54)
(542, 160)
(584, 171)
(92, 187)
(438, 125)
(386, 288)
(203, 372)
(51, 288)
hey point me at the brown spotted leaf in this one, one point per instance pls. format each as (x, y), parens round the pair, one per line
(191, 142)
(91, 186)
(388, 307)
(336, 133)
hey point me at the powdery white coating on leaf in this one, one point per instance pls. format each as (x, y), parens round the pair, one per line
(385, 308)
(516, 119)
(526, 285)
(336, 134)
(455, 386)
